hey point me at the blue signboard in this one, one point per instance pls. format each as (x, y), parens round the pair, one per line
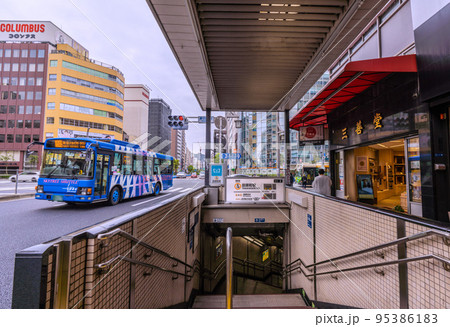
(202, 119)
(216, 170)
(260, 220)
(231, 156)
(309, 220)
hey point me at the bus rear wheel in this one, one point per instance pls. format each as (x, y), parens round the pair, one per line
(157, 189)
(114, 196)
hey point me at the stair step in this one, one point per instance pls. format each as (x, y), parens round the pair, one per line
(275, 301)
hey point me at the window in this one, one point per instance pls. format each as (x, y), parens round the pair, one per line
(51, 91)
(29, 110)
(14, 81)
(30, 95)
(41, 53)
(15, 67)
(52, 77)
(7, 53)
(50, 120)
(21, 95)
(27, 138)
(2, 138)
(18, 138)
(23, 67)
(1, 53)
(32, 68)
(32, 53)
(30, 81)
(16, 53)
(127, 164)
(27, 123)
(11, 123)
(40, 67)
(48, 135)
(22, 81)
(156, 164)
(20, 124)
(37, 124)
(5, 80)
(24, 53)
(12, 109)
(166, 167)
(0, 66)
(13, 95)
(2, 123)
(51, 105)
(21, 110)
(38, 96)
(4, 95)
(36, 138)
(38, 81)
(137, 165)
(6, 67)
(117, 166)
(10, 138)
(53, 63)
(37, 109)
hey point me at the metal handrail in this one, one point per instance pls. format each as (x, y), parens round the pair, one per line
(446, 262)
(229, 274)
(130, 237)
(148, 265)
(374, 248)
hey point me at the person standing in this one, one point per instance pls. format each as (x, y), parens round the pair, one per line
(322, 184)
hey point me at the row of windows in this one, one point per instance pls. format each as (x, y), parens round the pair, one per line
(82, 82)
(20, 124)
(22, 81)
(24, 53)
(87, 97)
(20, 95)
(89, 111)
(132, 164)
(86, 70)
(24, 67)
(82, 123)
(20, 109)
(26, 138)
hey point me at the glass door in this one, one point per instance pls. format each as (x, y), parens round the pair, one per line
(414, 179)
(101, 175)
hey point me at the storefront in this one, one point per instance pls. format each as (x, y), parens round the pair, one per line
(379, 133)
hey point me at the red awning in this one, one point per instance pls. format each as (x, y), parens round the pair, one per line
(354, 79)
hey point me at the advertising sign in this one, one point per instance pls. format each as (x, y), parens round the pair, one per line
(311, 133)
(254, 190)
(365, 186)
(217, 172)
(265, 255)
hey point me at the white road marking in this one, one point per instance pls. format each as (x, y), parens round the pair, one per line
(186, 190)
(156, 198)
(19, 188)
(174, 190)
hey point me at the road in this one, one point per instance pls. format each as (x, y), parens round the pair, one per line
(8, 188)
(28, 222)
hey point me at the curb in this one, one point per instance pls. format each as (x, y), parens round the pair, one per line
(16, 196)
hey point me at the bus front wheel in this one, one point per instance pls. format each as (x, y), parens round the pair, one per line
(114, 197)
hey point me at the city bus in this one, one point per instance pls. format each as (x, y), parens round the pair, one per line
(85, 170)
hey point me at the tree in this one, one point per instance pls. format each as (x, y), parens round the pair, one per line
(33, 159)
(6, 157)
(190, 168)
(176, 165)
(217, 158)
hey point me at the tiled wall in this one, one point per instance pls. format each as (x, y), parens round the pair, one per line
(342, 228)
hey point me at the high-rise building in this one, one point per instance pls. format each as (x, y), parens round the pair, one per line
(50, 87)
(158, 126)
(135, 118)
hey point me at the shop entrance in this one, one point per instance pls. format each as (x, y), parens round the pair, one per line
(386, 175)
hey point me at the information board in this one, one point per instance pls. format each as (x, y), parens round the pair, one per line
(254, 190)
(217, 174)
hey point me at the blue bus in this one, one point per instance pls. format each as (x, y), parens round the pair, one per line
(85, 170)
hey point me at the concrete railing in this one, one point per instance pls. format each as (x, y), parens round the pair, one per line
(143, 259)
(325, 227)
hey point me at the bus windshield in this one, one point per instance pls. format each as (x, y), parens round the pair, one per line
(67, 164)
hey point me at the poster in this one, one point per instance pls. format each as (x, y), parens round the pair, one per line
(365, 186)
(361, 164)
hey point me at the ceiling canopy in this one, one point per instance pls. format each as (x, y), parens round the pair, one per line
(258, 55)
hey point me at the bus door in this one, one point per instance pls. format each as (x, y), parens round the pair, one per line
(101, 176)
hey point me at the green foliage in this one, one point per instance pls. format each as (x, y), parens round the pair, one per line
(176, 165)
(399, 208)
(190, 169)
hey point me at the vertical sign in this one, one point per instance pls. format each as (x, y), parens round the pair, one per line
(309, 220)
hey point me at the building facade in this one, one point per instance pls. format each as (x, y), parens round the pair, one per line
(135, 118)
(158, 126)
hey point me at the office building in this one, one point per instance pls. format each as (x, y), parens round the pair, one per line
(158, 126)
(135, 118)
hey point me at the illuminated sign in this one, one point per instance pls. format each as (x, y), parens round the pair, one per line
(377, 121)
(344, 133)
(66, 144)
(254, 190)
(311, 133)
(265, 255)
(359, 127)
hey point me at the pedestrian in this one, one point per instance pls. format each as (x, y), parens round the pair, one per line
(304, 180)
(322, 184)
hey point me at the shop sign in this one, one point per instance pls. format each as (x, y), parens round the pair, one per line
(377, 121)
(265, 255)
(344, 133)
(359, 127)
(311, 133)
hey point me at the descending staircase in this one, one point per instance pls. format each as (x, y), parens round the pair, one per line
(253, 301)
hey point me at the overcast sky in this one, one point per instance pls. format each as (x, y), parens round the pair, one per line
(123, 34)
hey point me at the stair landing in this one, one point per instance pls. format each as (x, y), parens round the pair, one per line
(260, 301)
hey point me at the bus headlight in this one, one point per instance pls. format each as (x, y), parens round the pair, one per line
(40, 189)
(84, 191)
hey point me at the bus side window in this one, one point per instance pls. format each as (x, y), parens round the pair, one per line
(127, 164)
(166, 167)
(149, 162)
(156, 164)
(137, 165)
(117, 165)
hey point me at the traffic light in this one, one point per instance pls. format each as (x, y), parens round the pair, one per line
(178, 122)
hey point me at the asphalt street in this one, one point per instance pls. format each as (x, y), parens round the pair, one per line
(28, 222)
(8, 188)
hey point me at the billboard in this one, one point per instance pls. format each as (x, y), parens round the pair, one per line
(311, 133)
